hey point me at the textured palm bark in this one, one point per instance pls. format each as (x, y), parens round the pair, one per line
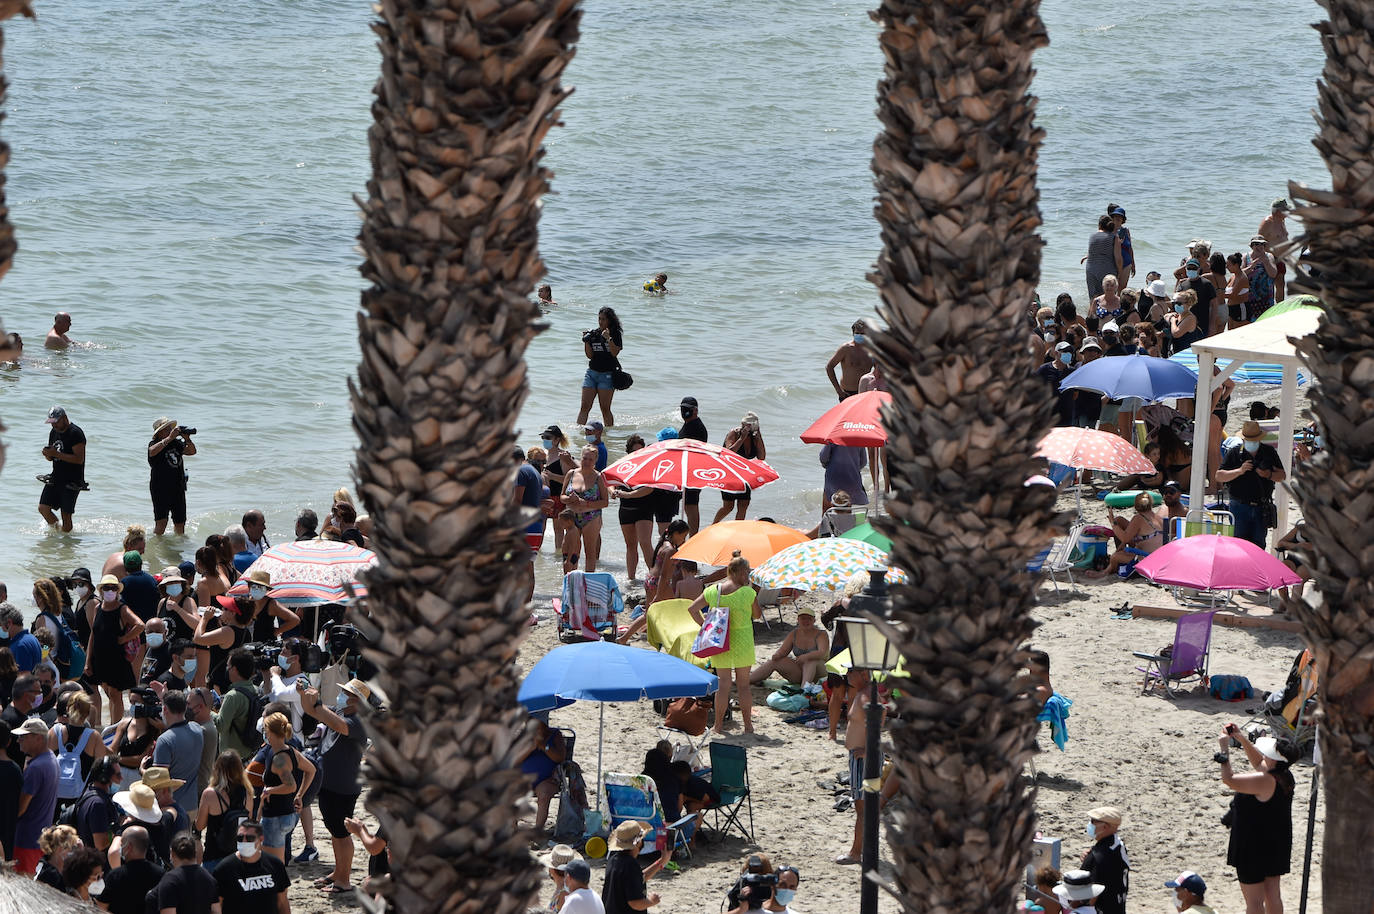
(959, 210)
(8, 246)
(468, 90)
(1336, 490)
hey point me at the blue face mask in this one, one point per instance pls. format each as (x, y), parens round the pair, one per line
(154, 639)
(784, 896)
(1192, 274)
(189, 666)
(1251, 447)
(859, 338)
(547, 443)
(283, 663)
(340, 701)
(1180, 308)
(1066, 358)
(591, 439)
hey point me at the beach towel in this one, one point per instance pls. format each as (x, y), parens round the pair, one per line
(782, 701)
(1056, 712)
(590, 602)
(1231, 688)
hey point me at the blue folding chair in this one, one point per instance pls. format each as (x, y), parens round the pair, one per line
(635, 797)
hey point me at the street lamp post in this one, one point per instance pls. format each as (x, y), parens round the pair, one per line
(870, 650)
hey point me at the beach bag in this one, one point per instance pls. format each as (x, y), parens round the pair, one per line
(714, 637)
(781, 701)
(573, 807)
(620, 378)
(690, 715)
(1231, 688)
(70, 782)
(227, 834)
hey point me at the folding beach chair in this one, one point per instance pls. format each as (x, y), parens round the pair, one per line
(841, 520)
(588, 606)
(635, 796)
(1057, 557)
(672, 629)
(1186, 659)
(730, 780)
(1202, 521)
(1290, 715)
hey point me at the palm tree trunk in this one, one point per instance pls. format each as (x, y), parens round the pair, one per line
(8, 9)
(958, 206)
(467, 92)
(1337, 488)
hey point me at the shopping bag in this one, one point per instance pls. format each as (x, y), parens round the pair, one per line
(714, 637)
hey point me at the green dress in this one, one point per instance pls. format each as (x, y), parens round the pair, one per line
(741, 605)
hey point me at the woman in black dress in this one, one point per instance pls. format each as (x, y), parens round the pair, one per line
(1262, 825)
(107, 659)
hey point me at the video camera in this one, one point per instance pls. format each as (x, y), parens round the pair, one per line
(346, 644)
(265, 654)
(756, 888)
(145, 704)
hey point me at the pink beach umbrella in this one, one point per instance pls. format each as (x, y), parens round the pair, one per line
(1089, 449)
(1214, 562)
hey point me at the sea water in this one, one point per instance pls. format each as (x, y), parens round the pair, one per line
(182, 179)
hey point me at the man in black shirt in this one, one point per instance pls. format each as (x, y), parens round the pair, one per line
(1206, 294)
(1107, 860)
(694, 428)
(625, 881)
(127, 885)
(171, 442)
(251, 882)
(1250, 472)
(66, 451)
(1054, 372)
(187, 888)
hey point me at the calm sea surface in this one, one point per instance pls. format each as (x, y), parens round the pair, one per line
(182, 183)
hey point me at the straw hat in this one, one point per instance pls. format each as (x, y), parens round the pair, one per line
(559, 856)
(258, 576)
(626, 834)
(158, 777)
(161, 423)
(360, 690)
(171, 575)
(1251, 430)
(110, 581)
(139, 802)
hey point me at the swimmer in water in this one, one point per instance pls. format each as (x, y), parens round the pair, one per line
(11, 347)
(658, 285)
(57, 336)
(545, 293)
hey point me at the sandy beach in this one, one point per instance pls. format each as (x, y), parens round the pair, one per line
(1148, 754)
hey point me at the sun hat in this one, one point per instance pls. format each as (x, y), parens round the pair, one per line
(1078, 885)
(558, 857)
(32, 726)
(1280, 203)
(1108, 814)
(83, 574)
(578, 871)
(1111, 327)
(157, 777)
(1158, 289)
(162, 422)
(171, 574)
(1090, 343)
(1266, 746)
(55, 415)
(258, 576)
(139, 802)
(1251, 430)
(667, 433)
(1259, 239)
(110, 580)
(133, 560)
(361, 691)
(1189, 881)
(626, 834)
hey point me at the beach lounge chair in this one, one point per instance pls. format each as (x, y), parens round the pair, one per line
(672, 629)
(588, 606)
(730, 779)
(1057, 557)
(1290, 716)
(841, 520)
(1186, 659)
(635, 796)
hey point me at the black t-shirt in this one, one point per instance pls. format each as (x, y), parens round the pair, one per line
(1119, 349)
(1206, 293)
(624, 883)
(1052, 374)
(1250, 487)
(250, 888)
(12, 718)
(602, 359)
(168, 467)
(11, 781)
(693, 428)
(66, 442)
(190, 889)
(1107, 862)
(378, 864)
(95, 814)
(127, 886)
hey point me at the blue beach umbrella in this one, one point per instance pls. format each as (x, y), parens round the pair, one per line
(605, 671)
(1143, 376)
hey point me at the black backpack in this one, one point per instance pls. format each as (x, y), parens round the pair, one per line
(246, 727)
(226, 837)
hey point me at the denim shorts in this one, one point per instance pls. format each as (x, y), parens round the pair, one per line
(276, 829)
(597, 380)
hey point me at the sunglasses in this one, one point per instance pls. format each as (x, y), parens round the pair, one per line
(247, 837)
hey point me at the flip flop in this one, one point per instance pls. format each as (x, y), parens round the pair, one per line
(847, 860)
(322, 882)
(332, 889)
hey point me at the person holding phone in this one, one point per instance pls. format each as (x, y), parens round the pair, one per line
(1261, 843)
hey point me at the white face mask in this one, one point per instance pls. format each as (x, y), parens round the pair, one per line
(109, 596)
(1178, 902)
(246, 848)
(82, 591)
(155, 639)
(97, 887)
(257, 592)
(174, 590)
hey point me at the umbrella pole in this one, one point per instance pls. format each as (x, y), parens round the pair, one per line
(600, 740)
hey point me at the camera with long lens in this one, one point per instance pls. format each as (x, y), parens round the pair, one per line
(264, 653)
(145, 703)
(186, 430)
(346, 644)
(756, 888)
(591, 336)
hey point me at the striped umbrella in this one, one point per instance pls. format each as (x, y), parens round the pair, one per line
(310, 572)
(821, 564)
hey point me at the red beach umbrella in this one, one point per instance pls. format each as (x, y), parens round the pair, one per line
(854, 422)
(1088, 449)
(681, 463)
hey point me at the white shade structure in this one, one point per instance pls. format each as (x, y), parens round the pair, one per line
(1262, 341)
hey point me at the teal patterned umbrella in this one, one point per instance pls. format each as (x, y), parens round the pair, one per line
(821, 564)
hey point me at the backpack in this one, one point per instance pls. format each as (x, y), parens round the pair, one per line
(246, 727)
(70, 782)
(69, 813)
(69, 648)
(227, 834)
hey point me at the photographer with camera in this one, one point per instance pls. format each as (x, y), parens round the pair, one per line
(754, 886)
(1261, 816)
(602, 347)
(286, 679)
(341, 759)
(167, 483)
(135, 735)
(624, 889)
(232, 615)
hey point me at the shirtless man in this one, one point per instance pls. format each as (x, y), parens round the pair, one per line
(1275, 231)
(545, 293)
(57, 336)
(854, 361)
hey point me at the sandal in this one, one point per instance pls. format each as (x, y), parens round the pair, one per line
(322, 882)
(332, 889)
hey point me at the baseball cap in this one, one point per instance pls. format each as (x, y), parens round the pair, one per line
(1063, 346)
(578, 870)
(1171, 484)
(32, 726)
(55, 415)
(1190, 881)
(689, 401)
(1090, 343)
(1111, 327)
(1193, 262)
(594, 426)
(1259, 239)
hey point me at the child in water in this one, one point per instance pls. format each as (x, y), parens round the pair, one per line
(658, 285)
